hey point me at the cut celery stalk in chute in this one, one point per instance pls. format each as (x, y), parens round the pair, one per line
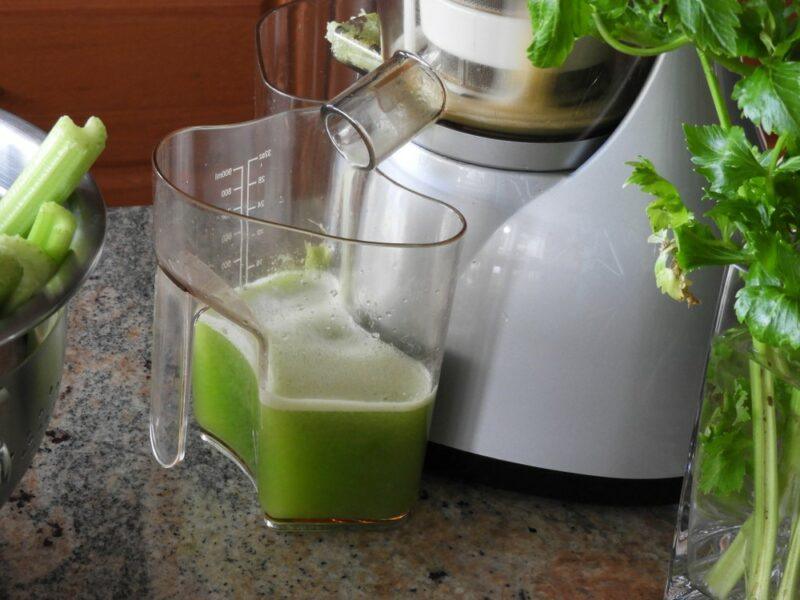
(55, 171)
(37, 268)
(52, 230)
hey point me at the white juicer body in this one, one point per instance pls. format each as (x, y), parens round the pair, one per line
(561, 352)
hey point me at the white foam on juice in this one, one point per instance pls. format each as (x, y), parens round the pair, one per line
(320, 358)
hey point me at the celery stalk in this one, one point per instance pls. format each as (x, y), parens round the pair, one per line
(52, 230)
(55, 171)
(765, 479)
(37, 268)
(728, 570)
(10, 276)
(791, 570)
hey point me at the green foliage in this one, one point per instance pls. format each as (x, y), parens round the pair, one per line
(712, 24)
(558, 25)
(684, 243)
(698, 246)
(725, 158)
(770, 97)
(667, 210)
(726, 456)
(771, 314)
(752, 220)
(762, 29)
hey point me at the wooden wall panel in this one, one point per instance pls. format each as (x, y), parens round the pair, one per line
(145, 67)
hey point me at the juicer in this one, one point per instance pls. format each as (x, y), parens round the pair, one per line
(561, 352)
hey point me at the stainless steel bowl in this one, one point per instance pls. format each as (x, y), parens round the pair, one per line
(32, 340)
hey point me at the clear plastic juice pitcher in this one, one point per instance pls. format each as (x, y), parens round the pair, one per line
(300, 312)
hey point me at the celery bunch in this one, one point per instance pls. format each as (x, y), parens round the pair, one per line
(35, 230)
(752, 221)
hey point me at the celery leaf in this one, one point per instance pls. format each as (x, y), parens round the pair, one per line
(770, 97)
(725, 158)
(712, 23)
(667, 210)
(556, 25)
(771, 314)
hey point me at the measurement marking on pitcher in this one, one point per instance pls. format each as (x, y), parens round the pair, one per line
(247, 224)
(242, 244)
(260, 179)
(248, 177)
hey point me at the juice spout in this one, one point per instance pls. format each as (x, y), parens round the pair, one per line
(384, 110)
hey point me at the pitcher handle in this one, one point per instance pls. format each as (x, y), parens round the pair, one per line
(384, 110)
(170, 385)
(176, 311)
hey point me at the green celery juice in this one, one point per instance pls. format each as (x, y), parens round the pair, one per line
(224, 389)
(339, 429)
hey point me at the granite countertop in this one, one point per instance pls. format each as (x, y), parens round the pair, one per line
(95, 516)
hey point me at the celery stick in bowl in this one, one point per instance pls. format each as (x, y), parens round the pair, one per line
(10, 276)
(64, 157)
(52, 230)
(35, 230)
(37, 268)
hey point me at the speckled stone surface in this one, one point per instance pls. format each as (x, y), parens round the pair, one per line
(96, 517)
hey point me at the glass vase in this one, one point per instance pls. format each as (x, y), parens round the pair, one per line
(738, 530)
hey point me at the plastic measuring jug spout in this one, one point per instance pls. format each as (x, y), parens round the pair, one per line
(385, 109)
